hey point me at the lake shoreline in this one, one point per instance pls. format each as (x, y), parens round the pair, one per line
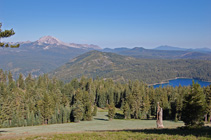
(167, 80)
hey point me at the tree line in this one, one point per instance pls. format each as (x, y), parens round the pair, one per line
(28, 101)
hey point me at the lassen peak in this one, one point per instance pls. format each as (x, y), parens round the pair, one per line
(49, 40)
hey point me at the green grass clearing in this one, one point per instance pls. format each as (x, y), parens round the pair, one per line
(147, 134)
(99, 123)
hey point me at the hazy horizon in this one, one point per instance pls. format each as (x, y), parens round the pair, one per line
(131, 47)
(111, 24)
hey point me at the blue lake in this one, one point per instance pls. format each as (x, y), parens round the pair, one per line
(182, 82)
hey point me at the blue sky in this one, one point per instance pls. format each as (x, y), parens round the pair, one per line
(111, 23)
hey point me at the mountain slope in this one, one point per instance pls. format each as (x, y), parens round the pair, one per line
(41, 56)
(122, 68)
(49, 53)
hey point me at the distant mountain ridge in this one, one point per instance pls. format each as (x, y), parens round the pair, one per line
(140, 52)
(49, 41)
(166, 47)
(49, 53)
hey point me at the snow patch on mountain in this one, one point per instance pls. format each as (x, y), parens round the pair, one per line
(56, 42)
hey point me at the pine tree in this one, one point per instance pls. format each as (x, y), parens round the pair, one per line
(64, 115)
(69, 91)
(20, 82)
(82, 83)
(21, 121)
(3, 76)
(6, 124)
(208, 103)
(46, 108)
(58, 115)
(78, 111)
(88, 112)
(5, 34)
(38, 119)
(86, 101)
(14, 122)
(11, 82)
(145, 107)
(111, 111)
(75, 84)
(29, 81)
(53, 119)
(194, 107)
(111, 96)
(78, 96)
(94, 113)
(69, 110)
(136, 102)
(179, 102)
(126, 110)
(102, 98)
(153, 101)
(64, 100)
(30, 119)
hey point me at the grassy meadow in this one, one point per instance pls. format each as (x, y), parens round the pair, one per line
(100, 128)
(147, 134)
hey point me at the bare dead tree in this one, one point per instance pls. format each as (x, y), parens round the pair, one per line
(159, 117)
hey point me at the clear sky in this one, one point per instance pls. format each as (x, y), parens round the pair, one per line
(111, 23)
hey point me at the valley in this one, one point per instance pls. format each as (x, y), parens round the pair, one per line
(50, 55)
(105, 70)
(41, 56)
(122, 68)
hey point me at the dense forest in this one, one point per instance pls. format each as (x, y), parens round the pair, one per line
(28, 102)
(121, 68)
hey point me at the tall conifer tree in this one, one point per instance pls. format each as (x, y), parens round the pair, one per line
(5, 34)
(194, 107)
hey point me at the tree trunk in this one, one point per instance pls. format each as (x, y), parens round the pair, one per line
(205, 120)
(46, 121)
(210, 118)
(10, 122)
(176, 117)
(159, 117)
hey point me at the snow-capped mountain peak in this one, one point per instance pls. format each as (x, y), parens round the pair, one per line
(49, 40)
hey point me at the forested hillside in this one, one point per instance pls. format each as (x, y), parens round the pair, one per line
(35, 61)
(48, 53)
(44, 101)
(121, 68)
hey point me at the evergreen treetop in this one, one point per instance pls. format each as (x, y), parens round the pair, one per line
(5, 34)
